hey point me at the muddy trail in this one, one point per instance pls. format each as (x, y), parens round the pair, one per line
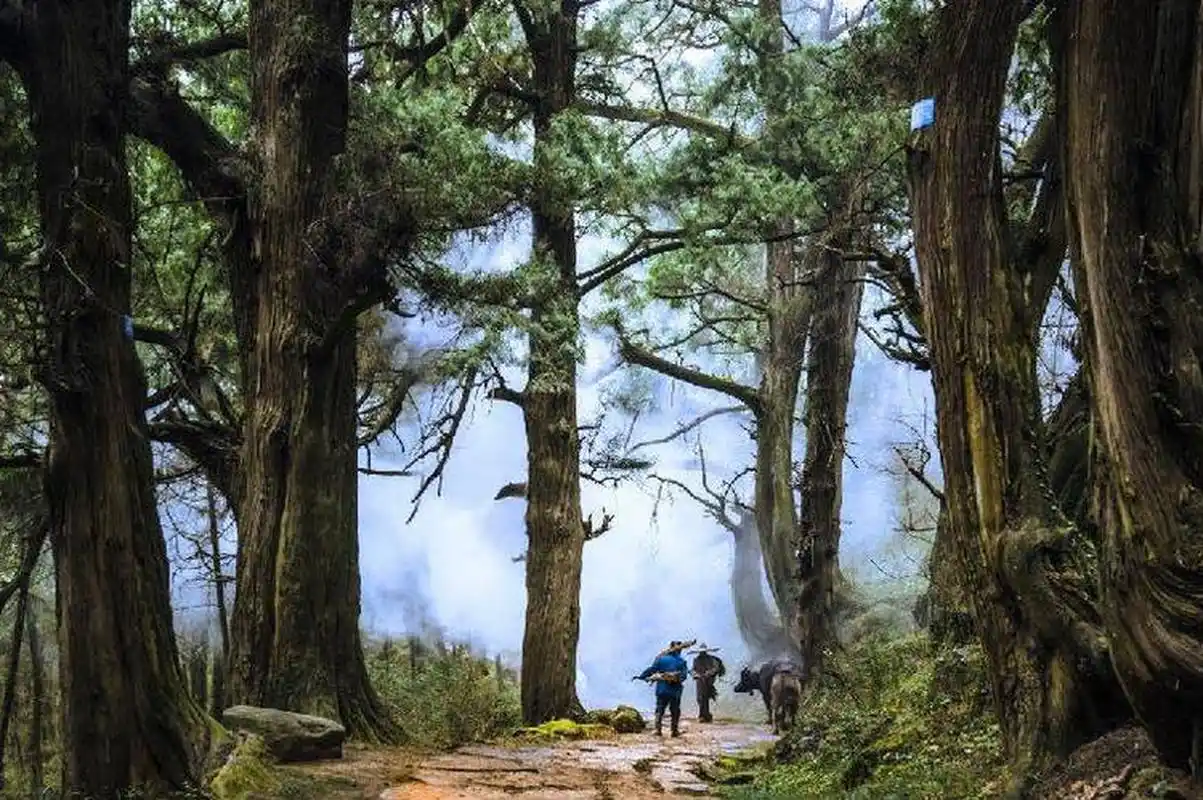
(639, 766)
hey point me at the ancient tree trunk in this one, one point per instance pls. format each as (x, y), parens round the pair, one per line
(759, 625)
(127, 716)
(1035, 620)
(1134, 75)
(555, 531)
(781, 375)
(294, 638)
(781, 364)
(838, 290)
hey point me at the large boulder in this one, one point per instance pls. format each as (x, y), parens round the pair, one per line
(289, 736)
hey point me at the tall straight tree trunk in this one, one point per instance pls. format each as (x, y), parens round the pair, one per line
(838, 289)
(1016, 552)
(128, 719)
(554, 526)
(1134, 74)
(294, 636)
(781, 365)
(37, 703)
(220, 656)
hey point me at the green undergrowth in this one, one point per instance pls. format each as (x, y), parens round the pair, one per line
(894, 720)
(444, 696)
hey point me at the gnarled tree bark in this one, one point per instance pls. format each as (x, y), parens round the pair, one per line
(1029, 596)
(294, 633)
(1134, 137)
(128, 720)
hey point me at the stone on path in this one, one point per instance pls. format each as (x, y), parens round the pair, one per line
(289, 736)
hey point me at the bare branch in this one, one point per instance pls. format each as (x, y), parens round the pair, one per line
(393, 404)
(592, 531)
(686, 428)
(444, 442)
(917, 472)
(387, 473)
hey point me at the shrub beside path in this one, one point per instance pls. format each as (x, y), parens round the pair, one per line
(638, 766)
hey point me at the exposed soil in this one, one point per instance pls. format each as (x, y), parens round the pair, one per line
(636, 766)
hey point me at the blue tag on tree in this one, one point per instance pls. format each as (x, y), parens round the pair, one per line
(127, 325)
(923, 113)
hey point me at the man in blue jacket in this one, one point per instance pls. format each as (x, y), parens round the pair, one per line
(668, 671)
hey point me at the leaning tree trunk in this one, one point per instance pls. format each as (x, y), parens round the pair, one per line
(128, 719)
(760, 627)
(554, 528)
(838, 290)
(1134, 74)
(294, 633)
(1031, 607)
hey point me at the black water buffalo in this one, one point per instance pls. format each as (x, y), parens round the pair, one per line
(786, 695)
(760, 680)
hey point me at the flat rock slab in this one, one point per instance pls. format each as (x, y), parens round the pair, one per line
(636, 766)
(287, 735)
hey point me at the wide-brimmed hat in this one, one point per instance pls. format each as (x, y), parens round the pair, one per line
(704, 648)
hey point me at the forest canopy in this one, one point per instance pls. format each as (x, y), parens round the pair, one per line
(254, 253)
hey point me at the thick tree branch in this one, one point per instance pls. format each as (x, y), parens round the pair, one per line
(164, 55)
(212, 446)
(419, 53)
(664, 118)
(505, 394)
(209, 163)
(21, 461)
(642, 357)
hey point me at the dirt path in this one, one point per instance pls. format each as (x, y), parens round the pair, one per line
(637, 766)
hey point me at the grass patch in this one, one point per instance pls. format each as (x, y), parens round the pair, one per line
(444, 696)
(899, 722)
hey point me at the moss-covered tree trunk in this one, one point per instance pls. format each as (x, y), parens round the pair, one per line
(555, 530)
(1031, 606)
(1134, 140)
(294, 633)
(781, 363)
(128, 719)
(838, 288)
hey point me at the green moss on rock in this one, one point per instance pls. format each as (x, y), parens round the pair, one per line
(559, 729)
(623, 719)
(247, 774)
